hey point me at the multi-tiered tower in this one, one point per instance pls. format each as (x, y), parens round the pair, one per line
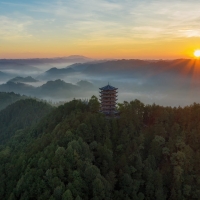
(108, 98)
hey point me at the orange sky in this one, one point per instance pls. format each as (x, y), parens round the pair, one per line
(99, 29)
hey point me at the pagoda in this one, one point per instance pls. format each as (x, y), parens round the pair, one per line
(108, 98)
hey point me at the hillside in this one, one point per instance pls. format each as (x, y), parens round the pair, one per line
(86, 85)
(20, 115)
(150, 152)
(57, 84)
(17, 87)
(7, 98)
(57, 89)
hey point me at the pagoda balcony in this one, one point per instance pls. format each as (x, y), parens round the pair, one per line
(109, 96)
(108, 92)
(107, 104)
(108, 108)
(107, 99)
(103, 92)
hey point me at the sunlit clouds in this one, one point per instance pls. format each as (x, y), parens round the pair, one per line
(13, 29)
(100, 29)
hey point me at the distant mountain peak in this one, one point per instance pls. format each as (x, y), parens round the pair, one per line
(56, 73)
(53, 69)
(27, 79)
(85, 84)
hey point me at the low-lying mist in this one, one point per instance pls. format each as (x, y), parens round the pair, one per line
(161, 82)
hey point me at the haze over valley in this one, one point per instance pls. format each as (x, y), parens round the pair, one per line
(164, 82)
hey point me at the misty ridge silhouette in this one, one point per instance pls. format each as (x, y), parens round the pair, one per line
(166, 82)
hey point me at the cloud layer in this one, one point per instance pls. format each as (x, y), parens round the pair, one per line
(99, 22)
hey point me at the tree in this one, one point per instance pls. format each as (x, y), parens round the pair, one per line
(94, 104)
(67, 195)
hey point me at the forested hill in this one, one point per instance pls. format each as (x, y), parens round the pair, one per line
(150, 152)
(20, 115)
(7, 98)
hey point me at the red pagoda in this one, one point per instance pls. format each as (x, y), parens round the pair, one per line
(108, 98)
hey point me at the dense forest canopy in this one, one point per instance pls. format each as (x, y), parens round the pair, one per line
(74, 152)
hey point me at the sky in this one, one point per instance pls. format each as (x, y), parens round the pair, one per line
(144, 29)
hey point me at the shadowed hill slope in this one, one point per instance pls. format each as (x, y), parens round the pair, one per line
(7, 98)
(20, 115)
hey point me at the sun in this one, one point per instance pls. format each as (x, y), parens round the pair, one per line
(197, 53)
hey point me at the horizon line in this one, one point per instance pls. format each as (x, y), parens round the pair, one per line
(100, 59)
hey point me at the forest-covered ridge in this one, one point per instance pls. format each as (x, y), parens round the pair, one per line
(74, 152)
(57, 89)
(7, 98)
(20, 115)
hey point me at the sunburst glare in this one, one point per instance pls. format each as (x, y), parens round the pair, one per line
(197, 53)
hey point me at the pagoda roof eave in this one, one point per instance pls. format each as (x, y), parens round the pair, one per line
(108, 87)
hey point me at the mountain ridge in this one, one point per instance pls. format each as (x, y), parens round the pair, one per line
(56, 89)
(27, 79)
